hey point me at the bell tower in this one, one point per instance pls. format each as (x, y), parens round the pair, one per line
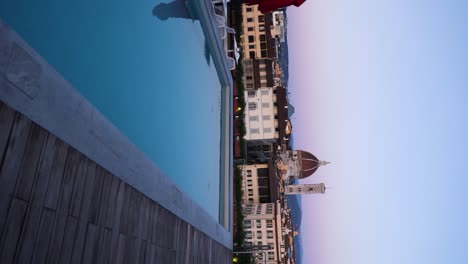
(318, 188)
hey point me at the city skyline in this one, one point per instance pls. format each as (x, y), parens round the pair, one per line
(379, 88)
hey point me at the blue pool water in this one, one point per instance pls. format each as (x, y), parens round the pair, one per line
(150, 77)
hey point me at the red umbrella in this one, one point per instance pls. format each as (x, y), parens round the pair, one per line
(266, 6)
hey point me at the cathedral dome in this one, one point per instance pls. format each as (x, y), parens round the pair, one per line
(308, 163)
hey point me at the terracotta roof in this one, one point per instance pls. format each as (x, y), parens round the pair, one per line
(309, 163)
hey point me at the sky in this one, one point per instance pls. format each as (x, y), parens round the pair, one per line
(380, 89)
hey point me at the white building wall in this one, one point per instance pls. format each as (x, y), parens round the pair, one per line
(260, 114)
(250, 182)
(291, 158)
(278, 27)
(261, 228)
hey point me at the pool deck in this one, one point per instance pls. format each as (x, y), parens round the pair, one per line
(58, 206)
(44, 120)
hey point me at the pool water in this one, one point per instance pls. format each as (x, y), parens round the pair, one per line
(150, 77)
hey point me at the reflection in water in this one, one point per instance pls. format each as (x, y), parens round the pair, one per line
(179, 9)
(174, 9)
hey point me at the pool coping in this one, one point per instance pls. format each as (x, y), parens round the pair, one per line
(35, 89)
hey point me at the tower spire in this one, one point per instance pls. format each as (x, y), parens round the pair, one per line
(323, 163)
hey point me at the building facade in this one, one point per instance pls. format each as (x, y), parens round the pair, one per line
(259, 48)
(260, 115)
(262, 225)
(278, 27)
(256, 183)
(318, 188)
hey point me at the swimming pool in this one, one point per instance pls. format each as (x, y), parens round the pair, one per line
(152, 78)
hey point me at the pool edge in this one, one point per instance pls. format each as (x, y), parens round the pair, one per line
(33, 88)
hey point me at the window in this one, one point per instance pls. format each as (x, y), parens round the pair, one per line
(252, 106)
(248, 9)
(247, 224)
(267, 130)
(259, 243)
(271, 255)
(269, 223)
(251, 93)
(266, 117)
(249, 183)
(253, 118)
(259, 223)
(249, 19)
(264, 53)
(263, 172)
(261, 28)
(263, 45)
(250, 29)
(248, 235)
(249, 85)
(269, 234)
(262, 37)
(254, 131)
(252, 54)
(265, 105)
(251, 46)
(249, 77)
(259, 210)
(251, 39)
(259, 234)
(264, 92)
(261, 18)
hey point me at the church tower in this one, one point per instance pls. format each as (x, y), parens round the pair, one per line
(305, 189)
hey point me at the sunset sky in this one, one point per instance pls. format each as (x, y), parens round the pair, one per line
(381, 90)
